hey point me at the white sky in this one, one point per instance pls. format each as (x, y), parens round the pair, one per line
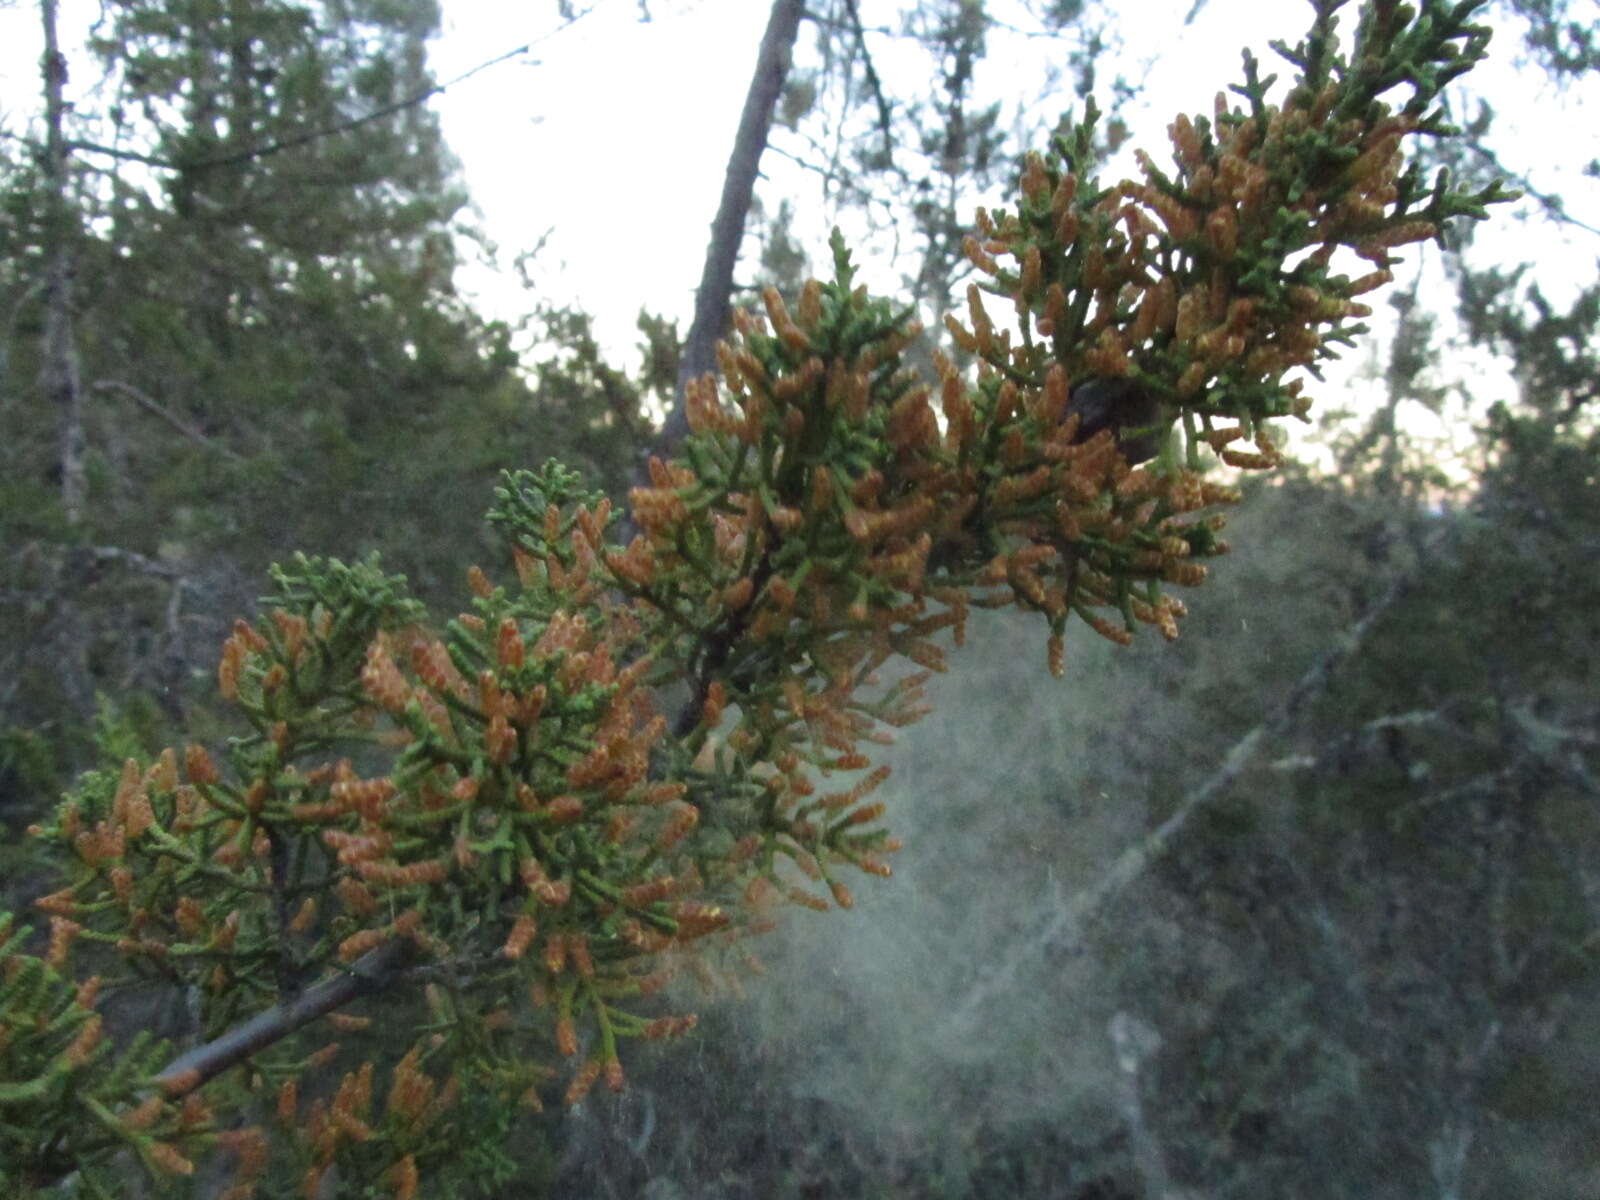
(618, 139)
(612, 136)
(617, 142)
(613, 141)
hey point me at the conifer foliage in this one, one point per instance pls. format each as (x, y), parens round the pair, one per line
(512, 828)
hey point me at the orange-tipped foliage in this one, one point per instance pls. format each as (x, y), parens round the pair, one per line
(502, 817)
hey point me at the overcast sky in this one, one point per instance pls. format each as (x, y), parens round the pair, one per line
(615, 142)
(610, 138)
(615, 139)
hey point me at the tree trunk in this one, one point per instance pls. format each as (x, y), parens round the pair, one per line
(712, 300)
(58, 375)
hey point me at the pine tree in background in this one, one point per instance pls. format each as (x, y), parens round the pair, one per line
(262, 224)
(298, 261)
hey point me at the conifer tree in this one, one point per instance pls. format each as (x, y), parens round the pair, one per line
(509, 830)
(268, 350)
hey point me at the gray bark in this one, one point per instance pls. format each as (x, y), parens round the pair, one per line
(713, 299)
(58, 375)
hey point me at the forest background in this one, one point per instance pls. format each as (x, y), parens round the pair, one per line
(1304, 905)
